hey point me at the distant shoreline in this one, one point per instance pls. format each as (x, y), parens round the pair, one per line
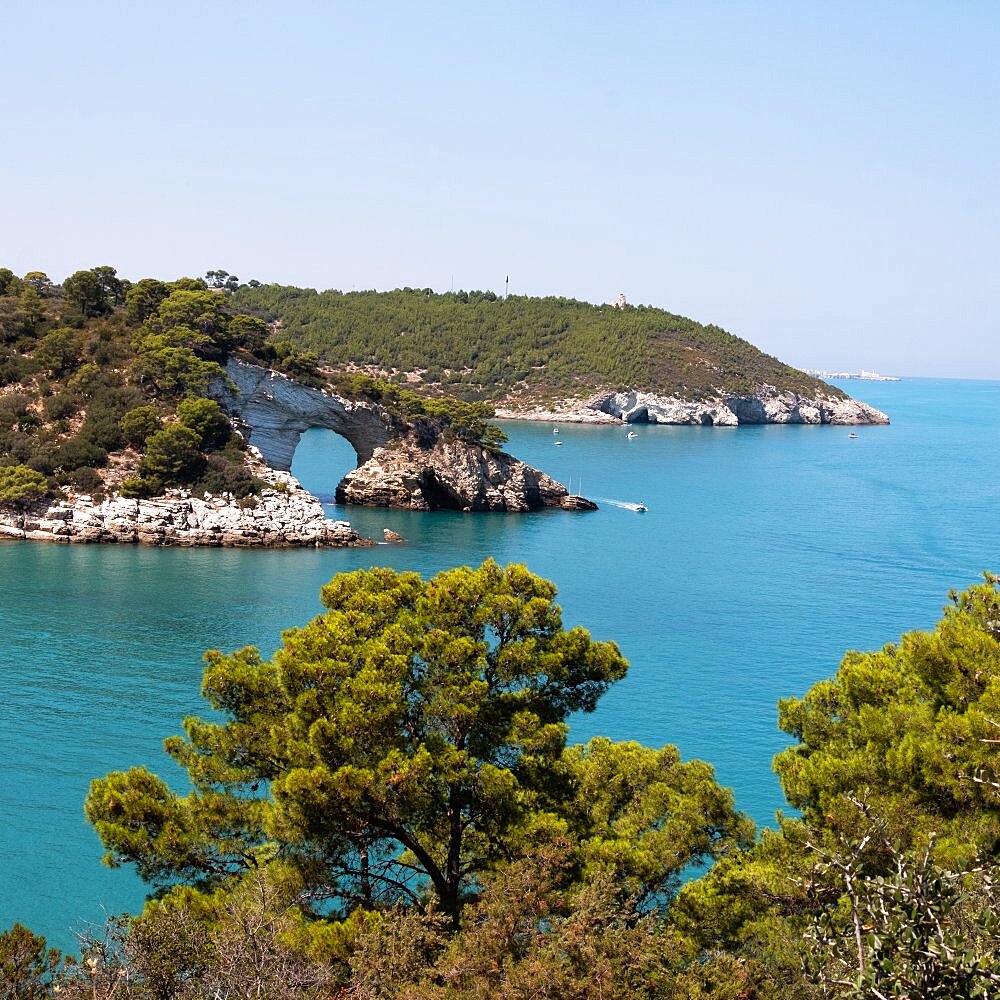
(721, 411)
(861, 376)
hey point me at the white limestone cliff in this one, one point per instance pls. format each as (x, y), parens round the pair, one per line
(450, 475)
(284, 516)
(274, 411)
(399, 465)
(767, 406)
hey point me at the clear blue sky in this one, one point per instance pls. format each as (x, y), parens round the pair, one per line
(819, 178)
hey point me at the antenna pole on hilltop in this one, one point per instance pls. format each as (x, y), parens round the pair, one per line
(506, 288)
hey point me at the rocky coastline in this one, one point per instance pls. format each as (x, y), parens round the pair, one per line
(767, 406)
(400, 465)
(450, 475)
(397, 468)
(283, 516)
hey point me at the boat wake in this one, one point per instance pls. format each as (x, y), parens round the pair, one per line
(624, 504)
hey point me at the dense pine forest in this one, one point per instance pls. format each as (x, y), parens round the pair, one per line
(480, 346)
(103, 386)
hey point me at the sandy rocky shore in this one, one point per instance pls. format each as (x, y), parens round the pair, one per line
(283, 516)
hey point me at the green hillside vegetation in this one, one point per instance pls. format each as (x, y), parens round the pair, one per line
(103, 387)
(479, 346)
(389, 809)
(103, 381)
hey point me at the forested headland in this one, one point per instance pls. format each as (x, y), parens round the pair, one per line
(390, 808)
(105, 382)
(104, 387)
(478, 345)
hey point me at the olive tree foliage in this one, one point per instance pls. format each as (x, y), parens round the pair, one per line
(403, 746)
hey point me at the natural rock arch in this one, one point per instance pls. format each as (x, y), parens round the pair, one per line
(397, 465)
(275, 411)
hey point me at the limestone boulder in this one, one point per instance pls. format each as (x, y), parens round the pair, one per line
(450, 475)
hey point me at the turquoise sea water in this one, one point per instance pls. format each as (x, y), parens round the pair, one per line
(765, 553)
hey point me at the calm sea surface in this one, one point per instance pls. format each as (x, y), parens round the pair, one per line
(765, 553)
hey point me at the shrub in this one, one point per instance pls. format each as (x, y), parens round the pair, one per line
(59, 351)
(206, 419)
(139, 487)
(139, 423)
(103, 428)
(172, 455)
(41, 458)
(21, 449)
(224, 475)
(84, 480)
(61, 406)
(79, 452)
(15, 368)
(12, 409)
(20, 485)
(88, 379)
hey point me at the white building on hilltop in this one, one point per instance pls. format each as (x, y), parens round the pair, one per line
(620, 302)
